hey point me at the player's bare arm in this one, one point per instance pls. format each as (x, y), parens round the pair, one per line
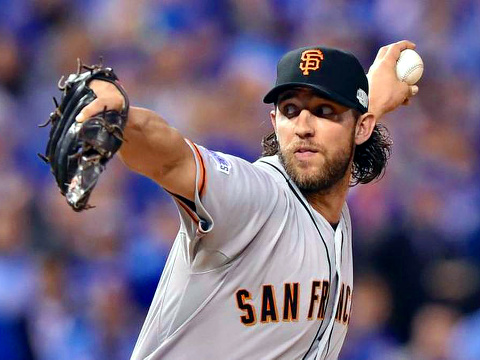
(386, 91)
(151, 147)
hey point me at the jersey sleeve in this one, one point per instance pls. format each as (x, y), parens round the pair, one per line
(233, 200)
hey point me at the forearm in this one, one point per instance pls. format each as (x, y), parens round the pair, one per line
(372, 105)
(151, 147)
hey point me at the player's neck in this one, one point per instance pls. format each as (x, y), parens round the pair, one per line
(330, 203)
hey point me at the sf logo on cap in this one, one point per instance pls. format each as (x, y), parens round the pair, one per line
(311, 60)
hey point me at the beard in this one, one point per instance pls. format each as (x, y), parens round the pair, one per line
(333, 169)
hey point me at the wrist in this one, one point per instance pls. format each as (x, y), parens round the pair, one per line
(377, 112)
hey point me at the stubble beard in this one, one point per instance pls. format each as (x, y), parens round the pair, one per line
(333, 169)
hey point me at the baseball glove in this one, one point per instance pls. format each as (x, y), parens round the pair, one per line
(78, 152)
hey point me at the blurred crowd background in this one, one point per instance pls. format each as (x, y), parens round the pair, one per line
(78, 286)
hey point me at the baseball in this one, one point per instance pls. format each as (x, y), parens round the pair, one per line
(409, 67)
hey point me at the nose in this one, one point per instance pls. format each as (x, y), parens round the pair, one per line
(304, 124)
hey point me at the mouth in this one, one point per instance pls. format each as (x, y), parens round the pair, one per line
(305, 152)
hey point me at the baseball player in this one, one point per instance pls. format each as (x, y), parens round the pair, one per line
(261, 267)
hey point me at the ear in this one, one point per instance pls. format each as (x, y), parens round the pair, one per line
(364, 128)
(272, 119)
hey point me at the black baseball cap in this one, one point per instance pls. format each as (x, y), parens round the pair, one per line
(334, 74)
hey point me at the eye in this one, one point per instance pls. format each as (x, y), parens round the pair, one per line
(290, 110)
(324, 110)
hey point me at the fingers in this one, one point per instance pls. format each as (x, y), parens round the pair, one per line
(92, 109)
(381, 52)
(404, 44)
(408, 90)
(413, 90)
(404, 92)
(392, 52)
(108, 97)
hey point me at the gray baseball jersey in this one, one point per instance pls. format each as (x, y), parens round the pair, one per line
(254, 273)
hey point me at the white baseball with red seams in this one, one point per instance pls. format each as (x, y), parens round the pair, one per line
(409, 67)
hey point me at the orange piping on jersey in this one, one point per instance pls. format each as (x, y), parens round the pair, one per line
(202, 181)
(194, 216)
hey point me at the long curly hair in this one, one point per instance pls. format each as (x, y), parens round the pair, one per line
(369, 160)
